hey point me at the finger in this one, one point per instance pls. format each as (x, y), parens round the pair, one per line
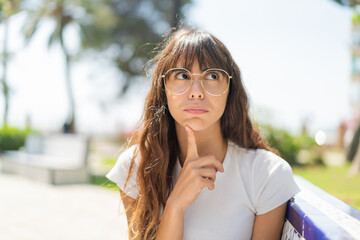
(191, 145)
(209, 173)
(208, 183)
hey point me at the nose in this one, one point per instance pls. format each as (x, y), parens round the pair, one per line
(196, 90)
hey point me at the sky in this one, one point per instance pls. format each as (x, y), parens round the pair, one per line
(294, 57)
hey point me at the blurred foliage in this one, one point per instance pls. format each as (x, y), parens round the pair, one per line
(356, 17)
(109, 161)
(54, 11)
(287, 144)
(124, 31)
(12, 138)
(9, 8)
(347, 3)
(127, 31)
(354, 145)
(352, 4)
(62, 13)
(104, 182)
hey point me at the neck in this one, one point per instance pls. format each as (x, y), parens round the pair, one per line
(208, 141)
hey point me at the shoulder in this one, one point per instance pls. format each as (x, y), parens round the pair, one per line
(124, 160)
(269, 161)
(258, 160)
(129, 154)
(119, 173)
(267, 178)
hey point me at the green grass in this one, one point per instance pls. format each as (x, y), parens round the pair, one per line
(104, 182)
(109, 161)
(334, 180)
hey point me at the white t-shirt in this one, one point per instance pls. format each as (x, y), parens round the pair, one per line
(254, 182)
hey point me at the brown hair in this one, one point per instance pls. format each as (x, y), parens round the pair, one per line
(157, 140)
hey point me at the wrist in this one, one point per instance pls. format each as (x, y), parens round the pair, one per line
(174, 207)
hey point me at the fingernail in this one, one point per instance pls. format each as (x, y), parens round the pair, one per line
(187, 128)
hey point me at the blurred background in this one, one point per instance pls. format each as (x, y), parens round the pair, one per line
(76, 68)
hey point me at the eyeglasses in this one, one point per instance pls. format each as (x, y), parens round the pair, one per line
(214, 81)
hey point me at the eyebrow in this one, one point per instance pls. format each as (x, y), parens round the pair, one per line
(203, 70)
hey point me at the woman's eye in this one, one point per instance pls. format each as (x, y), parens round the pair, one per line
(182, 76)
(212, 76)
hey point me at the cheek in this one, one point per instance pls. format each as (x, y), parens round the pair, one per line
(172, 106)
(222, 105)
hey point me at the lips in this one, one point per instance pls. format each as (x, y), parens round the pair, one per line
(195, 110)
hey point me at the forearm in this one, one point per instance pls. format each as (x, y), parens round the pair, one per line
(171, 224)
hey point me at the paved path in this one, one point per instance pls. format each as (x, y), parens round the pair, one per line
(33, 210)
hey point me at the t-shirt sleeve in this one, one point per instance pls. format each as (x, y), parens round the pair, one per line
(274, 182)
(119, 172)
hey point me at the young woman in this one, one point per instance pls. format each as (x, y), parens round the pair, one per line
(199, 169)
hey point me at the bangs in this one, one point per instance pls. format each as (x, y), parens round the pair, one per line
(199, 46)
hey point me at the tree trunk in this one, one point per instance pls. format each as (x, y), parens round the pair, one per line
(5, 87)
(71, 119)
(177, 13)
(355, 166)
(354, 146)
(354, 153)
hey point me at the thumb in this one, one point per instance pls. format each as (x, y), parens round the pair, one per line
(191, 144)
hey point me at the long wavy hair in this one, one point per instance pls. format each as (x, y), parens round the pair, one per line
(156, 136)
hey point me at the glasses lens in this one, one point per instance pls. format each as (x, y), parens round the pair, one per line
(215, 81)
(177, 81)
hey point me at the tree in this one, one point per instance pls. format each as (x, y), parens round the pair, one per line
(126, 26)
(62, 13)
(349, 3)
(353, 153)
(8, 8)
(131, 28)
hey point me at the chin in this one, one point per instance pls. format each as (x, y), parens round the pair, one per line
(195, 124)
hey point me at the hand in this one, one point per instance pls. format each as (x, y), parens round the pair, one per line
(197, 173)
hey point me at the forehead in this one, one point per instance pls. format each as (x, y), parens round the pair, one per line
(194, 64)
(202, 50)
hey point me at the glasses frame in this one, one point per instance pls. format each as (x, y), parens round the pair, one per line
(201, 80)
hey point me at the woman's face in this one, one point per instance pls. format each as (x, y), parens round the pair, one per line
(196, 107)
